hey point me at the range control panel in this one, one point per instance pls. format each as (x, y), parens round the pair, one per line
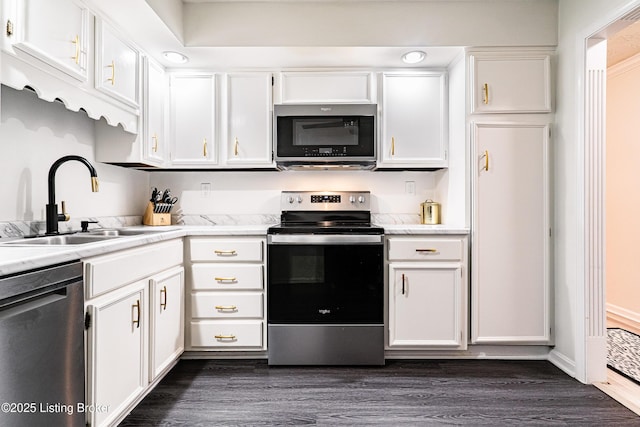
(325, 201)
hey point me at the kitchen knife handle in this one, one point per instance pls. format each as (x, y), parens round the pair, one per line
(402, 283)
(163, 301)
(136, 307)
(485, 89)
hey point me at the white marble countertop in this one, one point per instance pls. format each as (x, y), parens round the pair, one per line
(16, 258)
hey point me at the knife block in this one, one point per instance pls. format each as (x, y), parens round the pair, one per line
(151, 218)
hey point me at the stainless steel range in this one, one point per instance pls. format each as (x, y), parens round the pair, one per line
(325, 284)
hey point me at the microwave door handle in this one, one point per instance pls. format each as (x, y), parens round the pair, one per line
(324, 125)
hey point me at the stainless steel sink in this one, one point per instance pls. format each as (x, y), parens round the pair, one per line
(119, 232)
(65, 239)
(79, 238)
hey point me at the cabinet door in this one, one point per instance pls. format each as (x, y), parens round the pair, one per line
(56, 32)
(117, 66)
(248, 116)
(154, 147)
(426, 303)
(116, 352)
(510, 250)
(326, 87)
(511, 84)
(166, 321)
(414, 120)
(193, 120)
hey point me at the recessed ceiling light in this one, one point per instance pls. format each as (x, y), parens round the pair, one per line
(414, 56)
(175, 57)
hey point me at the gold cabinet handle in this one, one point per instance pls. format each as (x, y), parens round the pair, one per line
(485, 90)
(225, 252)
(225, 337)
(135, 308)
(486, 159)
(235, 148)
(393, 146)
(226, 307)
(113, 73)
(430, 251)
(9, 28)
(155, 143)
(402, 283)
(163, 301)
(225, 279)
(76, 41)
(204, 147)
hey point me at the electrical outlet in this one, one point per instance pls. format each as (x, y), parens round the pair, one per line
(205, 189)
(410, 187)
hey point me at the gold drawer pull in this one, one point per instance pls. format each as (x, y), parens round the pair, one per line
(76, 42)
(135, 308)
(226, 279)
(163, 301)
(430, 251)
(155, 143)
(113, 73)
(227, 307)
(225, 337)
(231, 252)
(486, 93)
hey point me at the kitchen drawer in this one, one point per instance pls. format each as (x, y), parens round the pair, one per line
(227, 276)
(425, 249)
(222, 333)
(226, 250)
(107, 272)
(221, 305)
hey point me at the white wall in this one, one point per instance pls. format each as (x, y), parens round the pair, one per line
(576, 19)
(35, 133)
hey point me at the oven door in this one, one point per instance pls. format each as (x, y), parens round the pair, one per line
(325, 279)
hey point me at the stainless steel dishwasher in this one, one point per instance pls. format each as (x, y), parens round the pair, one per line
(42, 347)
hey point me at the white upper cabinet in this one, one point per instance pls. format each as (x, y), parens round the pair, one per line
(247, 106)
(414, 120)
(192, 120)
(510, 82)
(155, 145)
(55, 32)
(333, 87)
(117, 66)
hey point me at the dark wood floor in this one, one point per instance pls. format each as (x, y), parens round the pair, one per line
(468, 392)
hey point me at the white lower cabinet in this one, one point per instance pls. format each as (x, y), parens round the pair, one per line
(226, 294)
(116, 352)
(427, 293)
(135, 330)
(166, 320)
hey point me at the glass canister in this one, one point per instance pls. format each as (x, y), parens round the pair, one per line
(429, 212)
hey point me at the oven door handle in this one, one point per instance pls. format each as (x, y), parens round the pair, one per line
(323, 239)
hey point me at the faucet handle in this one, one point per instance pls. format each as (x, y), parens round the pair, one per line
(64, 216)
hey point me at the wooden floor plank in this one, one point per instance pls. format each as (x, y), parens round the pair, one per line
(459, 392)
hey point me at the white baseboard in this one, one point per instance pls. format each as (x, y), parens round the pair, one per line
(624, 316)
(560, 360)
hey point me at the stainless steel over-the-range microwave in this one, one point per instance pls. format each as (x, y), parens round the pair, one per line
(325, 135)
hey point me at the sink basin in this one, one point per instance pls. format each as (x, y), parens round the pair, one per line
(116, 232)
(65, 239)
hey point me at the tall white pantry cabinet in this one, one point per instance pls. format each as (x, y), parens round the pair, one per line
(510, 116)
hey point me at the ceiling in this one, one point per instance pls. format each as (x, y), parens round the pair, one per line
(623, 44)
